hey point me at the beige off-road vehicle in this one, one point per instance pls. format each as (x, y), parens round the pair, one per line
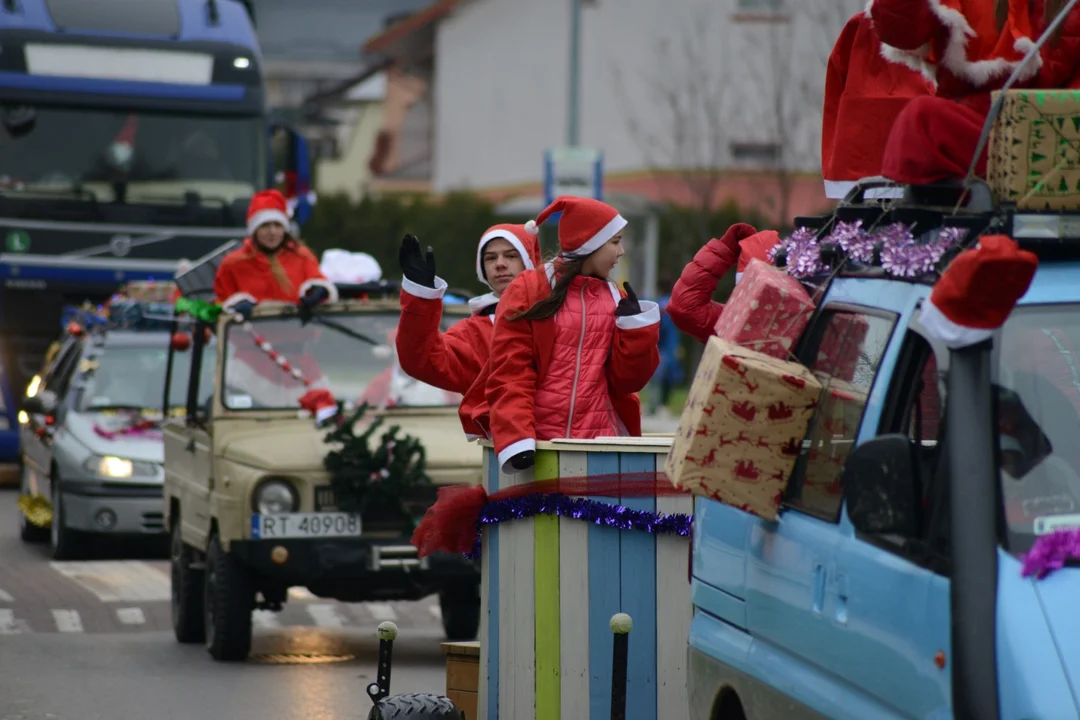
(249, 503)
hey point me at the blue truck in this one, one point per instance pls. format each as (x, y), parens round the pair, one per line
(133, 136)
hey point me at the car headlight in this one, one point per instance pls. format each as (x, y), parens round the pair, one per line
(111, 466)
(273, 497)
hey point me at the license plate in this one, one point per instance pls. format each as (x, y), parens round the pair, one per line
(304, 525)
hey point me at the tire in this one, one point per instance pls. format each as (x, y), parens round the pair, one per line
(228, 601)
(188, 618)
(28, 531)
(460, 608)
(416, 706)
(67, 544)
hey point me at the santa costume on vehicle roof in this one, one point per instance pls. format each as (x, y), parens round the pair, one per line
(253, 274)
(452, 360)
(967, 48)
(575, 373)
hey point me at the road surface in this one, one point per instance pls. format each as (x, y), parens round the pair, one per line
(93, 641)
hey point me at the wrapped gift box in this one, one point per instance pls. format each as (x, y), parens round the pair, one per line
(836, 425)
(742, 427)
(838, 355)
(149, 291)
(1033, 157)
(766, 312)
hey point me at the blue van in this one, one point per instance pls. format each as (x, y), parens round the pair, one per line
(891, 585)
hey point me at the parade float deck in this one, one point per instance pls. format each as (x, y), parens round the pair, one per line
(551, 585)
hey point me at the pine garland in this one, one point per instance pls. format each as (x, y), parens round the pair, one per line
(364, 479)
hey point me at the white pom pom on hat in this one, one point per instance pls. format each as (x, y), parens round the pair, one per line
(532, 228)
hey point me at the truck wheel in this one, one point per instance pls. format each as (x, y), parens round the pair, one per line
(188, 620)
(460, 608)
(416, 706)
(28, 531)
(67, 544)
(229, 599)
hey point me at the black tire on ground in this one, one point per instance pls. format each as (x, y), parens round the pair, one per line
(67, 544)
(460, 608)
(229, 599)
(188, 619)
(28, 531)
(416, 706)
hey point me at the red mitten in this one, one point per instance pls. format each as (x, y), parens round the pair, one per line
(976, 293)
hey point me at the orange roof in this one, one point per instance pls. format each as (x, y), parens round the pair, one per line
(409, 25)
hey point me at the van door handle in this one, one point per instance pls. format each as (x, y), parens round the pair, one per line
(841, 598)
(819, 588)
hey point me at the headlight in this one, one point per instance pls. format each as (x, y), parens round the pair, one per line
(111, 466)
(273, 497)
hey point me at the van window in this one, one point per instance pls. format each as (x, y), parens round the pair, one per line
(849, 347)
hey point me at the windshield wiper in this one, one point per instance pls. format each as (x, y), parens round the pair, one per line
(344, 330)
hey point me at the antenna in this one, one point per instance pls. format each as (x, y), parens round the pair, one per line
(995, 109)
(215, 16)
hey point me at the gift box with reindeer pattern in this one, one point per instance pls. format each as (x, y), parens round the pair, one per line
(742, 428)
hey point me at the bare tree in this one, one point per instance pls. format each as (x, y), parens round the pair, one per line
(683, 131)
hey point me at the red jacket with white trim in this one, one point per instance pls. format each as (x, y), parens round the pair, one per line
(245, 274)
(522, 353)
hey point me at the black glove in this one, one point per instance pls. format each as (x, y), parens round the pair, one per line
(413, 265)
(628, 305)
(523, 460)
(245, 308)
(311, 298)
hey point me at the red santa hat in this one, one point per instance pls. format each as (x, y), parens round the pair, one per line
(266, 207)
(585, 226)
(526, 245)
(320, 403)
(755, 247)
(976, 293)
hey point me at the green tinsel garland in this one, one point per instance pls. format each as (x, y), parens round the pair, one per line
(199, 309)
(364, 479)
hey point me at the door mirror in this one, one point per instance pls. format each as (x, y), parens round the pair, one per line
(44, 403)
(292, 171)
(880, 486)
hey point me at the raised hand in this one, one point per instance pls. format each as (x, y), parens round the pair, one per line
(629, 305)
(414, 266)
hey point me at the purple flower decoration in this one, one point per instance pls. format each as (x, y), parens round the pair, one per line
(1050, 552)
(802, 253)
(854, 241)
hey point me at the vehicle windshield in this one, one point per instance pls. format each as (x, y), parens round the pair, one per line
(123, 377)
(160, 156)
(1038, 399)
(351, 354)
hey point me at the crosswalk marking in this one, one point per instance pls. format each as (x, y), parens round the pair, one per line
(118, 580)
(265, 619)
(436, 612)
(9, 625)
(325, 615)
(4, 597)
(300, 593)
(131, 616)
(381, 612)
(67, 621)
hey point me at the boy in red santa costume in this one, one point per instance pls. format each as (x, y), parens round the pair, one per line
(453, 360)
(271, 264)
(570, 351)
(968, 48)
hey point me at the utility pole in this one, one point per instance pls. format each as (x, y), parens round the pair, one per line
(573, 106)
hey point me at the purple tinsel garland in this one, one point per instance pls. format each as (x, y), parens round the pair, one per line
(1050, 552)
(902, 255)
(619, 517)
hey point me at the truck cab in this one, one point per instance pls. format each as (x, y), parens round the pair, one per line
(891, 585)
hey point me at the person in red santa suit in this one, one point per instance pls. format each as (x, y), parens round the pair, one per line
(692, 308)
(969, 48)
(271, 264)
(570, 351)
(453, 360)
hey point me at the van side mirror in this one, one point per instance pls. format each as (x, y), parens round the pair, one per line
(880, 486)
(44, 403)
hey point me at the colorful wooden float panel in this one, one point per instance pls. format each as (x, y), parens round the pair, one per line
(550, 586)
